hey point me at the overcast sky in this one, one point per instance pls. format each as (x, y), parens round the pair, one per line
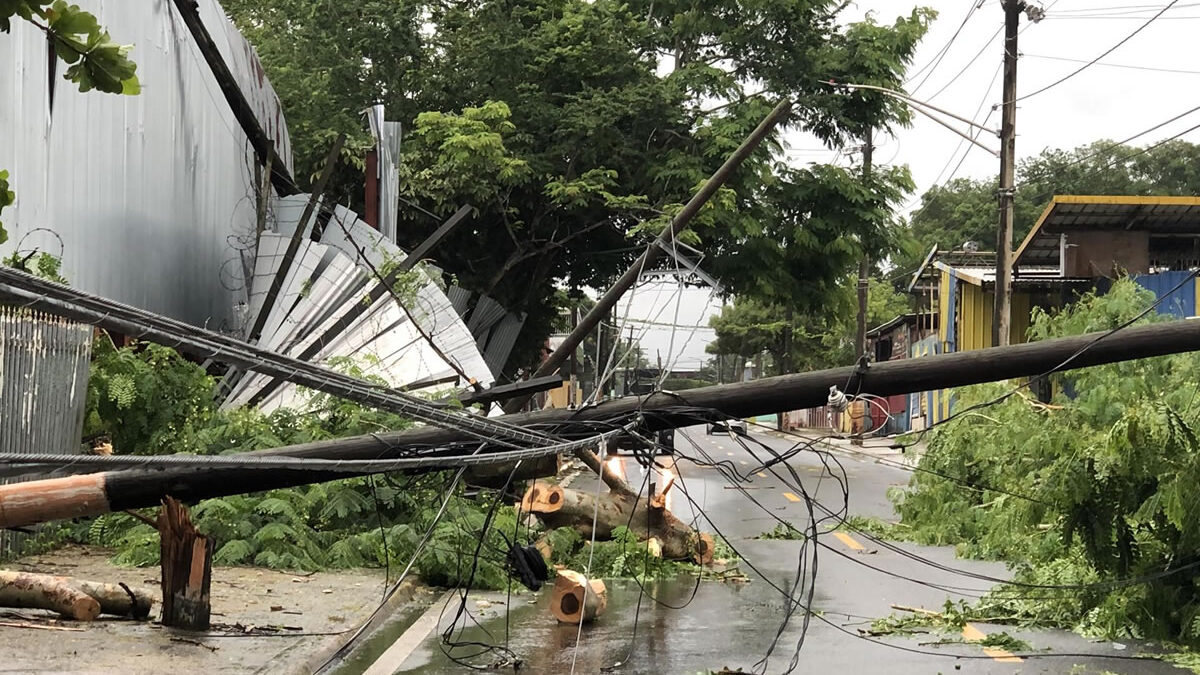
(1118, 97)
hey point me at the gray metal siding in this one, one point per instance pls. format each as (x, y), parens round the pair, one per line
(43, 388)
(149, 198)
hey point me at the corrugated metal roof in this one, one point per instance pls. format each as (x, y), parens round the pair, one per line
(421, 343)
(1075, 213)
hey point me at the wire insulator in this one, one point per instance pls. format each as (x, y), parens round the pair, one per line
(838, 399)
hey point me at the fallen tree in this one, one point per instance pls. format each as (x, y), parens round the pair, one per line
(578, 509)
(76, 599)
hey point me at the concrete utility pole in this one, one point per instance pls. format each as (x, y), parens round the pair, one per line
(32, 502)
(864, 267)
(1002, 307)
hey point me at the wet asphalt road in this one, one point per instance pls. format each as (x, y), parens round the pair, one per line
(732, 625)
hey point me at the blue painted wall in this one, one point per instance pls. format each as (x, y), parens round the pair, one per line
(1181, 303)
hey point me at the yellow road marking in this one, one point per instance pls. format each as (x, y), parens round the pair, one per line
(848, 541)
(730, 454)
(791, 497)
(972, 634)
(743, 462)
(761, 474)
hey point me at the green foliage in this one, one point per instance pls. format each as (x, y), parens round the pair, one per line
(38, 264)
(96, 62)
(964, 209)
(782, 531)
(625, 556)
(7, 197)
(576, 126)
(880, 529)
(1003, 640)
(146, 398)
(1105, 483)
(953, 617)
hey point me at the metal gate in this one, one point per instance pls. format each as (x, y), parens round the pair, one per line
(43, 389)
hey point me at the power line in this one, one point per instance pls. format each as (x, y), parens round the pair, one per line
(1108, 51)
(1114, 65)
(1140, 8)
(937, 59)
(987, 43)
(1127, 157)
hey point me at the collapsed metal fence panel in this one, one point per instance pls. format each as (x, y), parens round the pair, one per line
(43, 389)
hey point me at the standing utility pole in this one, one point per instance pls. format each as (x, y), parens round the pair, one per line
(1002, 310)
(864, 267)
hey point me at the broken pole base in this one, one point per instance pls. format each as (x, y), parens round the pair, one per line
(186, 569)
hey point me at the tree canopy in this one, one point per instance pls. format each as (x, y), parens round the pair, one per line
(794, 342)
(578, 128)
(965, 209)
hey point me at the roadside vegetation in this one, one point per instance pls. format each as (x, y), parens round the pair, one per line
(1090, 499)
(147, 399)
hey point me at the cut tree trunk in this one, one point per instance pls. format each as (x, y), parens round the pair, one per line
(186, 568)
(576, 599)
(42, 591)
(563, 507)
(115, 599)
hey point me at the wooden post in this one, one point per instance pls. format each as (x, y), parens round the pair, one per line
(186, 568)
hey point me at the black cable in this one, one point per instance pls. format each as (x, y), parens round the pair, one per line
(448, 642)
(1108, 51)
(937, 59)
(387, 558)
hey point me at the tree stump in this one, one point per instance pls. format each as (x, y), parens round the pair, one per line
(575, 599)
(186, 568)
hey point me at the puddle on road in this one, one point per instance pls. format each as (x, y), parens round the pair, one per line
(667, 640)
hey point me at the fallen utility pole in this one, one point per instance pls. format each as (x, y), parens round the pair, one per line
(38, 501)
(678, 224)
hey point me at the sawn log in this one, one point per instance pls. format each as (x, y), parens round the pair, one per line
(563, 507)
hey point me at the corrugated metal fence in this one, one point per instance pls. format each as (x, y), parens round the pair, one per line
(43, 388)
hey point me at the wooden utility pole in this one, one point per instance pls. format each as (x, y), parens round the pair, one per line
(186, 560)
(678, 224)
(1002, 306)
